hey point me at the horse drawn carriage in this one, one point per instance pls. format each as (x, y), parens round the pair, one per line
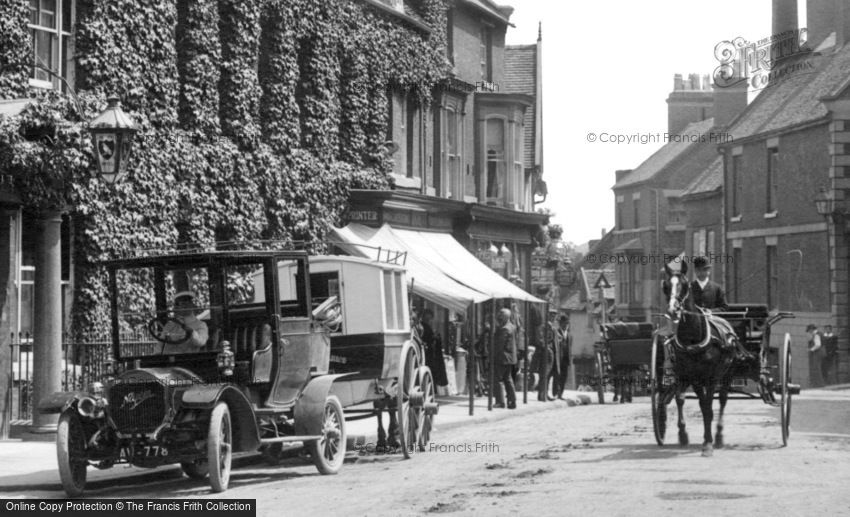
(633, 351)
(270, 350)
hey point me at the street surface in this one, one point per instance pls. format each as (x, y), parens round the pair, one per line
(586, 460)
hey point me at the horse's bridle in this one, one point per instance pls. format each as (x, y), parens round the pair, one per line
(676, 304)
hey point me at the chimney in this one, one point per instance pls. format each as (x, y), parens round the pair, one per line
(603, 233)
(692, 102)
(620, 174)
(820, 20)
(785, 15)
(729, 101)
(842, 27)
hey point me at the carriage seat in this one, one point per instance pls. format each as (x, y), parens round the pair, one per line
(622, 330)
(251, 342)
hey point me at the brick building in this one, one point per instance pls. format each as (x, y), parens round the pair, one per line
(790, 143)
(470, 163)
(651, 218)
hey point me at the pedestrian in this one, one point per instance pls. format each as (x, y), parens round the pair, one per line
(505, 358)
(433, 349)
(482, 353)
(516, 319)
(830, 345)
(817, 351)
(546, 358)
(563, 340)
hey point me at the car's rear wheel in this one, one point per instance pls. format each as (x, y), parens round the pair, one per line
(71, 453)
(220, 448)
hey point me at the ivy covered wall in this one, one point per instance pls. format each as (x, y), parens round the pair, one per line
(257, 117)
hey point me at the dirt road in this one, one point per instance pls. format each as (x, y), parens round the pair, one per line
(591, 460)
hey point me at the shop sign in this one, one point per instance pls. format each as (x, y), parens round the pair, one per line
(363, 216)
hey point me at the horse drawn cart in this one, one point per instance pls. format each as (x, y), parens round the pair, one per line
(631, 350)
(216, 352)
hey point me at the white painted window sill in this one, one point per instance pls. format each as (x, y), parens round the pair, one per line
(736, 219)
(771, 215)
(405, 182)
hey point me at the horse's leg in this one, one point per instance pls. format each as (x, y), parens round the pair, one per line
(382, 436)
(393, 431)
(723, 396)
(680, 404)
(706, 400)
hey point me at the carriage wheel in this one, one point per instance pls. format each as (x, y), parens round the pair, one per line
(785, 379)
(600, 372)
(425, 413)
(659, 426)
(409, 364)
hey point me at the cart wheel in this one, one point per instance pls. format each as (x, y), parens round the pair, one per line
(328, 452)
(195, 469)
(659, 426)
(600, 372)
(220, 447)
(785, 379)
(407, 382)
(425, 414)
(71, 454)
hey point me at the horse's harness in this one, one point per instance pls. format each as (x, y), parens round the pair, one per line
(723, 328)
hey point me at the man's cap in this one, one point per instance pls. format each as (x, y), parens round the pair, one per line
(184, 294)
(563, 317)
(811, 327)
(553, 310)
(701, 262)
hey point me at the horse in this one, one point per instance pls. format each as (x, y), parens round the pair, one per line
(702, 349)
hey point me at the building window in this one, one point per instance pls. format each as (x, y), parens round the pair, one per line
(51, 25)
(636, 281)
(709, 243)
(699, 244)
(619, 212)
(772, 184)
(410, 137)
(737, 186)
(486, 54)
(496, 166)
(518, 169)
(454, 179)
(772, 268)
(636, 211)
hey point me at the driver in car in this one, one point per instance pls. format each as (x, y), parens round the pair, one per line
(186, 333)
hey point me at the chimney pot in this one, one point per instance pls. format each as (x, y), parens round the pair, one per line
(785, 16)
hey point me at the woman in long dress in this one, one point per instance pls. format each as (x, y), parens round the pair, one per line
(433, 349)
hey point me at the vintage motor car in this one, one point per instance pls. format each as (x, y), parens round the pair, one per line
(213, 353)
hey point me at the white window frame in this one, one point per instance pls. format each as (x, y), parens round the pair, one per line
(58, 44)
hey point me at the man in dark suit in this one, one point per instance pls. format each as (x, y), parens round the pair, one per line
(707, 293)
(563, 359)
(505, 358)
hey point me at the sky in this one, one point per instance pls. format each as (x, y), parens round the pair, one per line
(608, 67)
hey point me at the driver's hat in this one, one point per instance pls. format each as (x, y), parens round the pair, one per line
(184, 294)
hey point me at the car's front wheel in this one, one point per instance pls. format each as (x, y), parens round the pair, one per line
(71, 453)
(219, 448)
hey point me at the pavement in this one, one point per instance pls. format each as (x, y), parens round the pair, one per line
(30, 466)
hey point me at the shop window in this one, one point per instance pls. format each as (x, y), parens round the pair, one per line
(51, 25)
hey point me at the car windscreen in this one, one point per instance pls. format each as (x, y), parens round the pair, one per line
(165, 311)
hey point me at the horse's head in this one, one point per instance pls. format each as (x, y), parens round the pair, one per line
(676, 290)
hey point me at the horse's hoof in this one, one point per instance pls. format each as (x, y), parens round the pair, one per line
(707, 451)
(683, 438)
(718, 442)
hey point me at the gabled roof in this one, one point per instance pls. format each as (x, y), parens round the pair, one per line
(695, 136)
(521, 77)
(797, 99)
(709, 181)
